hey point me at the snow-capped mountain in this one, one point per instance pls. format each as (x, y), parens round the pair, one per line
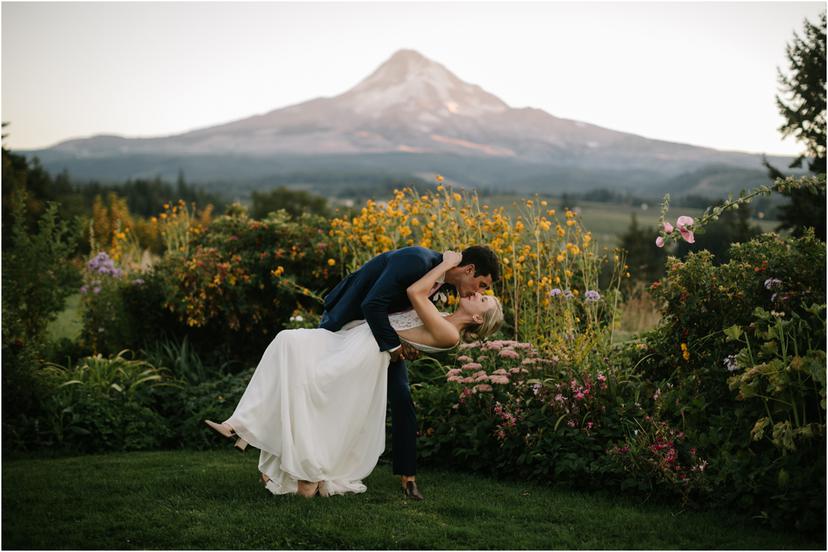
(411, 108)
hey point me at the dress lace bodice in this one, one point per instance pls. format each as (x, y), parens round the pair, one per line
(406, 320)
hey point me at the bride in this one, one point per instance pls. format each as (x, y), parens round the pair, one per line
(315, 406)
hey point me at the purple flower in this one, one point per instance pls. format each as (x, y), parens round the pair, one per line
(96, 289)
(84, 289)
(773, 283)
(730, 363)
(592, 295)
(555, 292)
(536, 388)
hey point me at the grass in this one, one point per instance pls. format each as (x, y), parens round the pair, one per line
(211, 500)
(68, 323)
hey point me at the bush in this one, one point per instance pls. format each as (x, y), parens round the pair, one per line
(214, 400)
(103, 404)
(505, 408)
(767, 299)
(242, 280)
(37, 279)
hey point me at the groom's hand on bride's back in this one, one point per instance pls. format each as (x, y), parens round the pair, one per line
(405, 352)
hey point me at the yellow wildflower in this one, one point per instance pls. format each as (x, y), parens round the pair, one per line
(439, 179)
(331, 262)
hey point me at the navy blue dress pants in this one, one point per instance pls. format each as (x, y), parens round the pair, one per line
(403, 420)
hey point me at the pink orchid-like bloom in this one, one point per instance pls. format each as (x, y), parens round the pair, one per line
(683, 222)
(659, 242)
(668, 228)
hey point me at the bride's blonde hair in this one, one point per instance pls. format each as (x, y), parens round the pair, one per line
(492, 320)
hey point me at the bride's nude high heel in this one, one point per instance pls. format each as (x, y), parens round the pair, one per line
(228, 432)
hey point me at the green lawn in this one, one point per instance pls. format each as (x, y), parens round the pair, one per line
(212, 500)
(68, 323)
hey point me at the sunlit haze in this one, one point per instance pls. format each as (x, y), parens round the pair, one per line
(697, 73)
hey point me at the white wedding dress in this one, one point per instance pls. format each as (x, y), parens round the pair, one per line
(315, 406)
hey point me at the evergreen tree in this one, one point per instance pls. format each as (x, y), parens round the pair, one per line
(803, 107)
(294, 202)
(804, 88)
(646, 261)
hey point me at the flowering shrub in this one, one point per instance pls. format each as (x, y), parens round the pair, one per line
(550, 265)
(242, 279)
(505, 407)
(104, 319)
(761, 300)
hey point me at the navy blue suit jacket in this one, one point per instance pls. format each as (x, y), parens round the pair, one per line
(376, 289)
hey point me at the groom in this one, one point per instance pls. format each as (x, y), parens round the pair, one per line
(377, 289)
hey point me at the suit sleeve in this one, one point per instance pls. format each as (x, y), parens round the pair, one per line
(401, 272)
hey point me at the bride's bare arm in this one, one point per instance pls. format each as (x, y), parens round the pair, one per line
(443, 333)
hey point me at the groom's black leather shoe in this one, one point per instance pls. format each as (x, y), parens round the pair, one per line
(411, 491)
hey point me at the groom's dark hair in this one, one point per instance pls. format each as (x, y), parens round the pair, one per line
(484, 260)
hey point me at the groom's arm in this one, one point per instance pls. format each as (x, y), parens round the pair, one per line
(400, 272)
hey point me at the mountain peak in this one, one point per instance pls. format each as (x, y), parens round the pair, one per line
(409, 81)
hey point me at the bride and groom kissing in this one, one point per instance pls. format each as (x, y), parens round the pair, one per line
(315, 406)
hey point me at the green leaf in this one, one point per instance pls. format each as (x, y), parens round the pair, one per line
(733, 333)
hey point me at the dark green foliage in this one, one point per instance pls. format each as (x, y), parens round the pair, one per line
(146, 197)
(803, 107)
(701, 300)
(295, 202)
(803, 88)
(646, 261)
(102, 404)
(211, 400)
(37, 279)
(805, 210)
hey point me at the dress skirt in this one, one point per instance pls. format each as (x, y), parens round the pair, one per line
(315, 408)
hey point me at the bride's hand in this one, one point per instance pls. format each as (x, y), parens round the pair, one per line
(453, 258)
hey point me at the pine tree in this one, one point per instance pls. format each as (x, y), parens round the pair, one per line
(804, 110)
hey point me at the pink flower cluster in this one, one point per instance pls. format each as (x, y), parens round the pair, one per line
(682, 223)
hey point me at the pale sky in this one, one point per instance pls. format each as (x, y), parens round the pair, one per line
(699, 73)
